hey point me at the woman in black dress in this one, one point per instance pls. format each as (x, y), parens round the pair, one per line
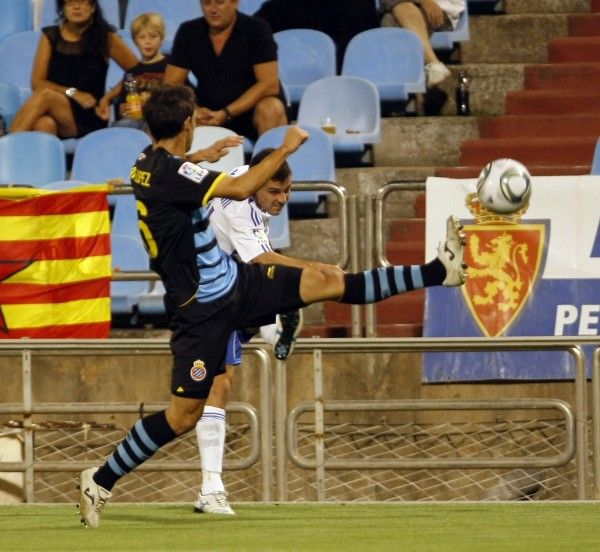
(69, 72)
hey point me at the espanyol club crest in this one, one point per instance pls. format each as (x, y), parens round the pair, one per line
(504, 259)
(198, 371)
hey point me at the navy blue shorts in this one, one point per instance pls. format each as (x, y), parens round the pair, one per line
(202, 331)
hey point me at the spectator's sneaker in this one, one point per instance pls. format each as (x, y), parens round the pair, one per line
(289, 325)
(92, 498)
(213, 503)
(435, 73)
(451, 252)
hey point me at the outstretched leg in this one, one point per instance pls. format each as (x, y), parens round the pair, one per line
(325, 282)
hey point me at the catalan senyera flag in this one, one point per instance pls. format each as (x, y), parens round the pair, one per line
(55, 263)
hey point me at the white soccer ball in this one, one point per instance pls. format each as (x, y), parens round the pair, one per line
(504, 186)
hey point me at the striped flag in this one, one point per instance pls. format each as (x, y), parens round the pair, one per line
(55, 264)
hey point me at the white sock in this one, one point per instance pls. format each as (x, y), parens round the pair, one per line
(269, 333)
(210, 431)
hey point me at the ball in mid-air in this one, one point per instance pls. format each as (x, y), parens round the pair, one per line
(504, 186)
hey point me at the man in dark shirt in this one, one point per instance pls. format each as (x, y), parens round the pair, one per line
(234, 60)
(209, 294)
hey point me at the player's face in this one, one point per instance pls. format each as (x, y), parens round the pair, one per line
(148, 41)
(273, 196)
(219, 14)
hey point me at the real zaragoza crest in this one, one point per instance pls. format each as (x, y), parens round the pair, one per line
(504, 258)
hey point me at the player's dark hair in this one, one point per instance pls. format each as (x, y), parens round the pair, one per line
(282, 173)
(167, 109)
(95, 37)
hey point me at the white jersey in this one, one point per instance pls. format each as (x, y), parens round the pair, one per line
(240, 226)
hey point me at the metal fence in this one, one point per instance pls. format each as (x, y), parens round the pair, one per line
(324, 449)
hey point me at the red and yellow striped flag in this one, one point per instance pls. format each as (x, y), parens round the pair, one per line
(55, 264)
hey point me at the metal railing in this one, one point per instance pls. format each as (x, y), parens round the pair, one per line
(576, 427)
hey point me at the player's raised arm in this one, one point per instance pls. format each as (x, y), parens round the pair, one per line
(256, 177)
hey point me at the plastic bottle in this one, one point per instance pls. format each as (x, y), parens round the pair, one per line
(133, 98)
(462, 94)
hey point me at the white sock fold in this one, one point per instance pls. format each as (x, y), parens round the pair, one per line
(269, 333)
(210, 431)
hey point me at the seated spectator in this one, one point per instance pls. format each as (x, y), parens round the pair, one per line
(148, 33)
(424, 17)
(234, 59)
(340, 19)
(69, 72)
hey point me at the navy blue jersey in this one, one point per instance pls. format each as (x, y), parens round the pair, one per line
(172, 196)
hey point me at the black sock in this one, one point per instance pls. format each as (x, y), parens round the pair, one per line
(143, 440)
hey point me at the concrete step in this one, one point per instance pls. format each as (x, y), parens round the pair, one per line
(530, 151)
(425, 141)
(566, 101)
(512, 38)
(584, 24)
(574, 49)
(403, 230)
(535, 170)
(552, 76)
(510, 126)
(490, 83)
(546, 6)
(405, 252)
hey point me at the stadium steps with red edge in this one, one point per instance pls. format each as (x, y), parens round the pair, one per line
(554, 76)
(472, 171)
(573, 49)
(583, 24)
(538, 151)
(557, 102)
(540, 126)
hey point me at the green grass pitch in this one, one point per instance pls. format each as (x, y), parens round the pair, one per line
(544, 526)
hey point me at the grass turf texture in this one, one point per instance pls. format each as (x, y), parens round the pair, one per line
(295, 527)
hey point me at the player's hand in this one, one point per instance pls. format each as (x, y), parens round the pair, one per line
(434, 13)
(294, 138)
(215, 151)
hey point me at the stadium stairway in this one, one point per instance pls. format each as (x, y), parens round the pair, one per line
(518, 90)
(552, 124)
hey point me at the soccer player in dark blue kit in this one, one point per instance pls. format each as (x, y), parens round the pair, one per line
(210, 294)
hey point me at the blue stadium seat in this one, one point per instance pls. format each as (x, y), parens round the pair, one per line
(444, 40)
(352, 102)
(174, 12)
(150, 305)
(31, 157)
(596, 159)
(110, 9)
(16, 16)
(204, 136)
(249, 7)
(304, 56)
(108, 153)
(127, 254)
(391, 58)
(279, 229)
(312, 162)
(10, 101)
(16, 59)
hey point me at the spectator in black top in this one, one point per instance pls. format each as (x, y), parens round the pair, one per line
(69, 72)
(234, 60)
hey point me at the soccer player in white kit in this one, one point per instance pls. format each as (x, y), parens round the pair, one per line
(242, 229)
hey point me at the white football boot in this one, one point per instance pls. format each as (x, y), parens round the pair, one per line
(92, 498)
(213, 503)
(451, 253)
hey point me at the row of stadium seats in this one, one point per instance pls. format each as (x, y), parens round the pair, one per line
(116, 149)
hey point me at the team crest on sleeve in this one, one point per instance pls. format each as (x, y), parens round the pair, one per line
(198, 371)
(192, 172)
(261, 236)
